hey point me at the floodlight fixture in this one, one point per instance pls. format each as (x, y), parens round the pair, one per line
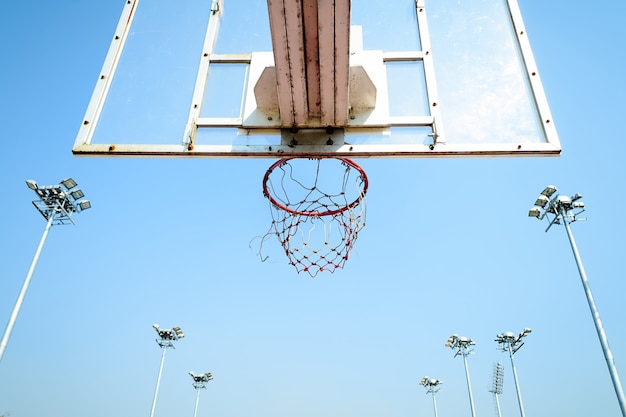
(57, 208)
(77, 194)
(432, 387)
(68, 183)
(542, 200)
(199, 382)
(463, 347)
(549, 190)
(32, 185)
(564, 210)
(166, 340)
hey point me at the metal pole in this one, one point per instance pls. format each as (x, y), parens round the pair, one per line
(469, 386)
(519, 393)
(20, 298)
(498, 404)
(434, 404)
(195, 412)
(156, 391)
(596, 318)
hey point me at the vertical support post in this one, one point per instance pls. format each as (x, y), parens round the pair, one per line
(469, 385)
(156, 391)
(498, 405)
(22, 294)
(195, 411)
(619, 390)
(435, 404)
(519, 393)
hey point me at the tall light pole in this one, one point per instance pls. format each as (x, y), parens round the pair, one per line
(56, 204)
(562, 209)
(463, 347)
(166, 340)
(432, 387)
(511, 343)
(199, 382)
(496, 387)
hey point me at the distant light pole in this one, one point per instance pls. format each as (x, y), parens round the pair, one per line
(166, 340)
(463, 346)
(511, 343)
(199, 382)
(565, 209)
(496, 387)
(432, 387)
(56, 204)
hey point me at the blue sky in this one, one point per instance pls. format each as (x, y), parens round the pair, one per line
(448, 248)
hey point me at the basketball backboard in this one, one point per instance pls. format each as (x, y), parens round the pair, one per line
(278, 78)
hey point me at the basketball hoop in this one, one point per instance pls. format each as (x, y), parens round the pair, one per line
(318, 210)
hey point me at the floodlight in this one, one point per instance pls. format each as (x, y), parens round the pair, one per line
(578, 204)
(542, 200)
(577, 196)
(77, 194)
(549, 190)
(179, 333)
(32, 185)
(564, 200)
(68, 183)
(84, 204)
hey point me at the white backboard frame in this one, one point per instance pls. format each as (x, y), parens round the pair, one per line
(312, 138)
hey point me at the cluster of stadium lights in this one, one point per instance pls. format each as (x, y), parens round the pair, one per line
(560, 206)
(59, 201)
(56, 204)
(166, 340)
(464, 347)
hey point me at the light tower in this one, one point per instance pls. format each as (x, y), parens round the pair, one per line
(463, 347)
(199, 382)
(496, 387)
(511, 343)
(563, 209)
(56, 204)
(166, 340)
(432, 387)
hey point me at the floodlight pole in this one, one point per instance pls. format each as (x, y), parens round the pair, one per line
(199, 382)
(496, 389)
(22, 294)
(562, 208)
(432, 387)
(511, 343)
(156, 390)
(462, 345)
(56, 205)
(195, 410)
(604, 342)
(166, 340)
